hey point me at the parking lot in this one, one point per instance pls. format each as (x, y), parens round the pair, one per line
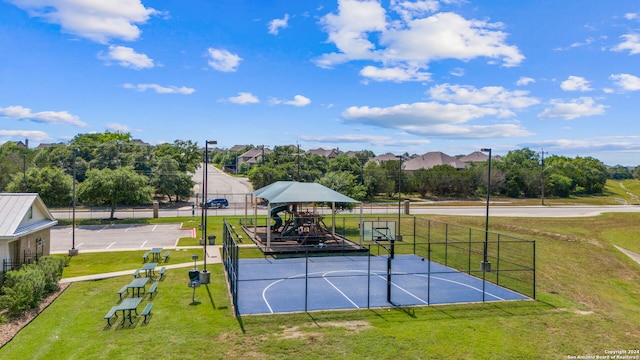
(96, 238)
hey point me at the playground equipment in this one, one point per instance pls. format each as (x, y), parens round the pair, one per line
(274, 215)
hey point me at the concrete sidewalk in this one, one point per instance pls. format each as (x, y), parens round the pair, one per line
(213, 257)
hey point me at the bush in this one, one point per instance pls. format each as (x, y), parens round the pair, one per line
(25, 288)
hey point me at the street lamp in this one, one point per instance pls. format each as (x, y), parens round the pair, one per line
(204, 275)
(486, 265)
(542, 175)
(73, 251)
(398, 233)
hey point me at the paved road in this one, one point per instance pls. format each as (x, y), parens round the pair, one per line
(222, 185)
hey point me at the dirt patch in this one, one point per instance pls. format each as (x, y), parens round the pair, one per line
(10, 329)
(354, 326)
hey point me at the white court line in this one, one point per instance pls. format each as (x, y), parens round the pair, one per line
(110, 245)
(335, 287)
(462, 284)
(403, 289)
(264, 297)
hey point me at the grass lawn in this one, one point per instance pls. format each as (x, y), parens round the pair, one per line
(588, 303)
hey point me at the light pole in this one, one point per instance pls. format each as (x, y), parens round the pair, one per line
(486, 265)
(73, 251)
(542, 175)
(204, 275)
(398, 233)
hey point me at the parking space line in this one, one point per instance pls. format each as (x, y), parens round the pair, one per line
(154, 228)
(110, 245)
(141, 246)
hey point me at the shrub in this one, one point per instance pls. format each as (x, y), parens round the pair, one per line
(25, 288)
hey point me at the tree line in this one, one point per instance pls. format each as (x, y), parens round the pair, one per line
(112, 169)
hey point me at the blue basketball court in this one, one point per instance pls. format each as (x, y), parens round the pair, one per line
(280, 285)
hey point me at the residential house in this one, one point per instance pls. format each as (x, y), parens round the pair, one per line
(329, 154)
(25, 229)
(431, 159)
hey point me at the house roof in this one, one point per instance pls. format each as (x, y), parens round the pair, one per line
(431, 159)
(298, 192)
(14, 210)
(476, 156)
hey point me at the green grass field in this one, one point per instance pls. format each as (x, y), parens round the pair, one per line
(588, 303)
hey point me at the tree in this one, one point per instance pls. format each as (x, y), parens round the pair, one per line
(521, 169)
(185, 153)
(13, 158)
(51, 183)
(344, 183)
(169, 181)
(114, 187)
(620, 172)
(376, 180)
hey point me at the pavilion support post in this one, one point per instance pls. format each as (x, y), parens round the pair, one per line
(269, 226)
(333, 218)
(361, 229)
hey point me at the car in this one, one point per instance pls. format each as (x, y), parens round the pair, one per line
(217, 203)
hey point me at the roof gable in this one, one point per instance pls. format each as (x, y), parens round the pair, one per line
(431, 159)
(22, 213)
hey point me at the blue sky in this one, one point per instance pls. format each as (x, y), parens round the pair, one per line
(388, 76)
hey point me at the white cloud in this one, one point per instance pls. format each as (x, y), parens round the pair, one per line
(434, 119)
(223, 60)
(118, 127)
(361, 30)
(127, 57)
(584, 106)
(626, 82)
(575, 83)
(298, 101)
(160, 89)
(98, 21)
(35, 135)
(631, 16)
(276, 24)
(523, 81)
(347, 138)
(409, 10)
(631, 42)
(397, 74)
(244, 98)
(494, 96)
(47, 117)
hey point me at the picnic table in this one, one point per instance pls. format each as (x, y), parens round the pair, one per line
(127, 305)
(137, 284)
(149, 268)
(155, 252)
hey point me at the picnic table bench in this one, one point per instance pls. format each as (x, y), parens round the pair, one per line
(166, 256)
(152, 289)
(146, 312)
(112, 313)
(145, 256)
(136, 273)
(125, 289)
(161, 272)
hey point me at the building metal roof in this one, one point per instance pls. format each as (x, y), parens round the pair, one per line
(14, 211)
(298, 192)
